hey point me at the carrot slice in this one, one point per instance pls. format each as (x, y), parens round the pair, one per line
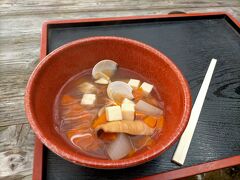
(132, 152)
(150, 142)
(66, 99)
(138, 94)
(160, 122)
(100, 120)
(108, 136)
(151, 121)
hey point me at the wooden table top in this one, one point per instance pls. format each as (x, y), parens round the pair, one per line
(20, 28)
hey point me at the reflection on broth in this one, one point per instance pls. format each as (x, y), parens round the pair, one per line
(109, 112)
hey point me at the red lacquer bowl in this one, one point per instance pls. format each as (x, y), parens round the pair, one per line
(63, 63)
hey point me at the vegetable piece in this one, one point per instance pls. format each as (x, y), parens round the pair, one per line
(132, 152)
(139, 115)
(151, 143)
(82, 139)
(148, 109)
(134, 83)
(119, 90)
(102, 81)
(151, 121)
(138, 94)
(88, 99)
(107, 102)
(66, 100)
(125, 126)
(101, 111)
(106, 67)
(86, 142)
(100, 120)
(160, 122)
(128, 110)
(87, 88)
(126, 100)
(119, 148)
(108, 136)
(113, 113)
(147, 88)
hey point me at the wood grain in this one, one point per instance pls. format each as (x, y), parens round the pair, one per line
(20, 28)
(16, 150)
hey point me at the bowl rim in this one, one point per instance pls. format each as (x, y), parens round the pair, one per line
(95, 162)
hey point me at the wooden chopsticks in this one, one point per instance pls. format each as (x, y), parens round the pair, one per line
(185, 140)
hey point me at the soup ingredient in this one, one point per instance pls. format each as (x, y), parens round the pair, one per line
(151, 121)
(126, 100)
(108, 136)
(109, 118)
(88, 99)
(102, 75)
(119, 148)
(104, 68)
(147, 88)
(101, 111)
(138, 94)
(139, 115)
(88, 143)
(100, 120)
(102, 81)
(119, 90)
(113, 113)
(160, 122)
(134, 83)
(148, 109)
(67, 100)
(108, 102)
(87, 87)
(125, 126)
(132, 152)
(128, 111)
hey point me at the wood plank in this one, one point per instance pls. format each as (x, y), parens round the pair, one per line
(44, 7)
(16, 151)
(19, 177)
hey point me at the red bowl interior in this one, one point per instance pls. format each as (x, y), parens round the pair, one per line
(56, 68)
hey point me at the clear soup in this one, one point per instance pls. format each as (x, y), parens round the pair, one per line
(77, 123)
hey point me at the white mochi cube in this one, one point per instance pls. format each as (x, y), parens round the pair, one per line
(88, 99)
(113, 113)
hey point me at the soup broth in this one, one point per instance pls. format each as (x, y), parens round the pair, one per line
(83, 116)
